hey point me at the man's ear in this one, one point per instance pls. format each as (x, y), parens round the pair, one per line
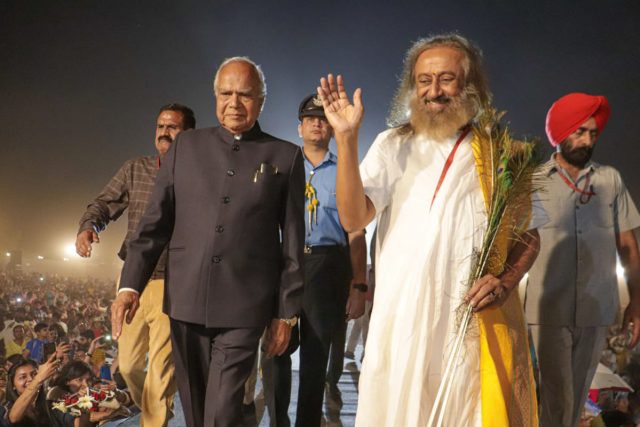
(300, 129)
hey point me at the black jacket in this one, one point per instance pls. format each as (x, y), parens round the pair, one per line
(232, 213)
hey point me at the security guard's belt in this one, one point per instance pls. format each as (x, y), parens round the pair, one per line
(324, 249)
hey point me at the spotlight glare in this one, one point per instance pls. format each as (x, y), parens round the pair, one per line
(70, 250)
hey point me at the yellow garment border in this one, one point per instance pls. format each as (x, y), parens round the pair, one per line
(508, 390)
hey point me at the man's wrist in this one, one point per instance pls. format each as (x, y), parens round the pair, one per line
(347, 135)
(362, 287)
(509, 279)
(88, 225)
(291, 322)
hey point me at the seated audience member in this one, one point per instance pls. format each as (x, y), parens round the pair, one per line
(35, 348)
(86, 336)
(619, 416)
(18, 343)
(57, 333)
(80, 352)
(26, 403)
(12, 360)
(97, 354)
(3, 417)
(3, 385)
(77, 378)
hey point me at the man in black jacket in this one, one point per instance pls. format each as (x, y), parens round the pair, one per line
(229, 202)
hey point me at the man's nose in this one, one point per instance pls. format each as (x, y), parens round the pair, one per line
(588, 139)
(234, 101)
(434, 90)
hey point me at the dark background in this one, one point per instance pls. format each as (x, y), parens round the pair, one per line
(81, 81)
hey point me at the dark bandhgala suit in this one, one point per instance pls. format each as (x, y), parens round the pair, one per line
(231, 210)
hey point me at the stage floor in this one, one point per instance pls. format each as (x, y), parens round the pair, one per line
(333, 415)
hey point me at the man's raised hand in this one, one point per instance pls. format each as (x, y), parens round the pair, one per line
(343, 116)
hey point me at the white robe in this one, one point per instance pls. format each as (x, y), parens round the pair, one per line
(422, 267)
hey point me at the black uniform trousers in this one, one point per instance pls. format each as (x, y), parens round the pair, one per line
(336, 357)
(326, 289)
(212, 366)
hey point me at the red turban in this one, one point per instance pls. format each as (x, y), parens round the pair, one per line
(572, 110)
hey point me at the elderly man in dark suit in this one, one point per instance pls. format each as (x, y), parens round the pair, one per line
(229, 202)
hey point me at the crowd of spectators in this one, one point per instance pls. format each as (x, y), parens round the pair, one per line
(55, 342)
(55, 346)
(616, 407)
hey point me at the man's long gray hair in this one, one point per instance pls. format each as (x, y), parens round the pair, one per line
(475, 79)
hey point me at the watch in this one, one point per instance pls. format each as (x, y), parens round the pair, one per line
(290, 322)
(362, 287)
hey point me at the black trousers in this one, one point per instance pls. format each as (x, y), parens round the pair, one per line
(212, 366)
(326, 288)
(336, 355)
(276, 379)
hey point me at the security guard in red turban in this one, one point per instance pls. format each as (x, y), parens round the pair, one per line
(571, 111)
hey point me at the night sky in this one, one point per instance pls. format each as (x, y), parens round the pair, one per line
(81, 81)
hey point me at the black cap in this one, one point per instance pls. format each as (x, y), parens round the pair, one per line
(311, 105)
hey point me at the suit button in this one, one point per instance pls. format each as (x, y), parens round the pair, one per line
(216, 259)
(226, 199)
(235, 147)
(231, 172)
(219, 228)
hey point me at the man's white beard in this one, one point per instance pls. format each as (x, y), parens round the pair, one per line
(444, 124)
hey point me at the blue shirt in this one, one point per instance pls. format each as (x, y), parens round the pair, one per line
(325, 228)
(36, 350)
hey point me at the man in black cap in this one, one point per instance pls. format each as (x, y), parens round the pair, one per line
(334, 290)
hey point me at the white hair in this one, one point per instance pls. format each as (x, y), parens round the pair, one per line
(262, 84)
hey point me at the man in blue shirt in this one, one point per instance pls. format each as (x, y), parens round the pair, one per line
(335, 269)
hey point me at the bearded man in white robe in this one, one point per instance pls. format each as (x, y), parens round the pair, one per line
(419, 180)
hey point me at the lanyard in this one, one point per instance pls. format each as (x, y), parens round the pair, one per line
(448, 162)
(585, 195)
(311, 194)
